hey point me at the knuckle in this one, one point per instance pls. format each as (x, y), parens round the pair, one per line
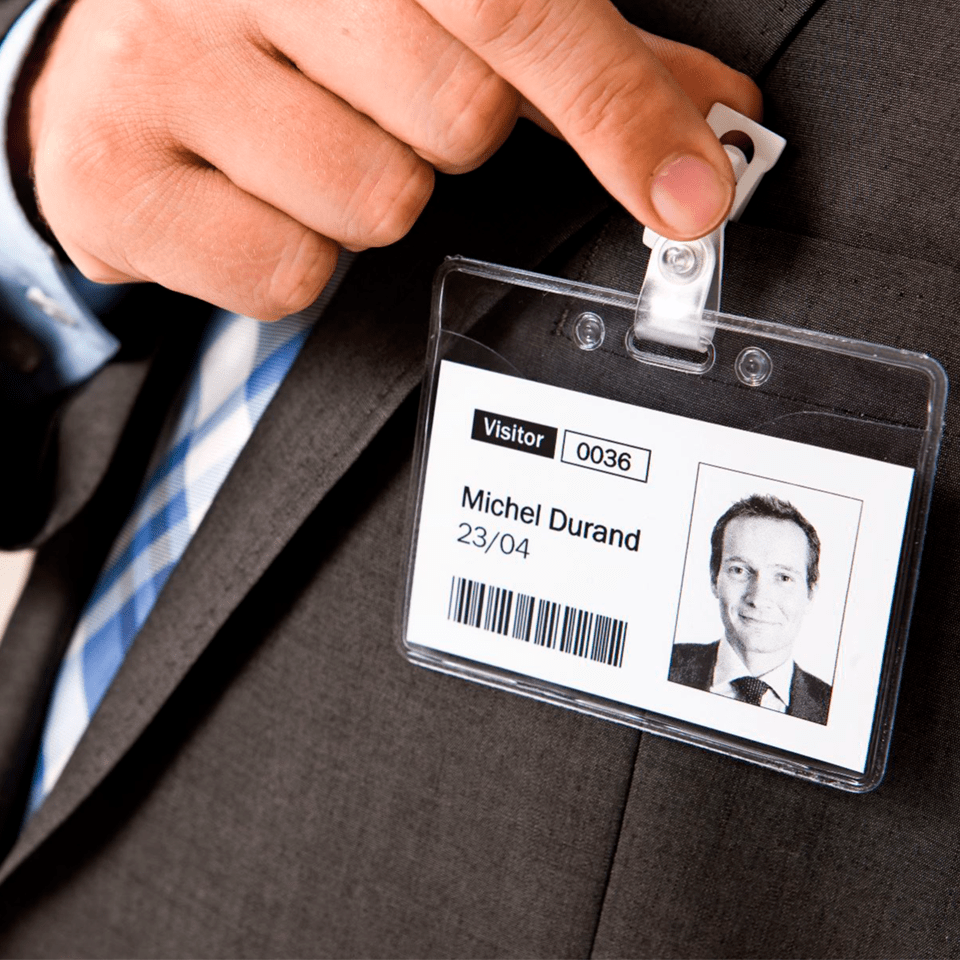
(74, 192)
(605, 104)
(388, 200)
(298, 277)
(88, 164)
(504, 24)
(124, 36)
(480, 116)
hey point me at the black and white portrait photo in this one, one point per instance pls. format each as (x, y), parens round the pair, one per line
(753, 626)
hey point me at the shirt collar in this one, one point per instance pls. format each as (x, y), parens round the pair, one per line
(729, 667)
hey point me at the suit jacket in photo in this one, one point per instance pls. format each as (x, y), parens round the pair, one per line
(267, 776)
(692, 664)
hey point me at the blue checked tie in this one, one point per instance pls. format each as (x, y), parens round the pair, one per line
(240, 365)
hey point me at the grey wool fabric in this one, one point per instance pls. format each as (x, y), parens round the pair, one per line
(268, 777)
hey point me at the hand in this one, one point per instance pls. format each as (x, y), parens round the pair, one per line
(226, 148)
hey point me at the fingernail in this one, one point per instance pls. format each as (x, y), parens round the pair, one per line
(690, 196)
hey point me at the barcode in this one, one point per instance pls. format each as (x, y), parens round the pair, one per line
(543, 622)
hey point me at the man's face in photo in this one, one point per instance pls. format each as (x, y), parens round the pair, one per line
(762, 584)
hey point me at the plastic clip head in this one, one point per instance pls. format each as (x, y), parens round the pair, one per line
(767, 147)
(684, 279)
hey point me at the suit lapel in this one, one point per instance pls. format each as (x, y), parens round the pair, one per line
(809, 697)
(362, 359)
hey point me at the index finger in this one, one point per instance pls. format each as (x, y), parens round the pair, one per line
(591, 74)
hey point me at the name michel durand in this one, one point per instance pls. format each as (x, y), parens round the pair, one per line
(557, 520)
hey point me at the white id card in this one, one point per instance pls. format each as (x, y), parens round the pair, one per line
(733, 588)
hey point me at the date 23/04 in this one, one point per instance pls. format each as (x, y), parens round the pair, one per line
(487, 541)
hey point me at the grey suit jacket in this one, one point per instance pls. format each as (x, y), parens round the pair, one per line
(692, 664)
(267, 776)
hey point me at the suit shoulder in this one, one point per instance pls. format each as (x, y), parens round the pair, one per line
(809, 696)
(692, 664)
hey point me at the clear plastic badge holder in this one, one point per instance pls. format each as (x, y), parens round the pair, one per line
(705, 526)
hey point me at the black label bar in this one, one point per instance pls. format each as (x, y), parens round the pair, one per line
(522, 435)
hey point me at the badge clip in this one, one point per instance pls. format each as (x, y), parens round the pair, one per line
(683, 278)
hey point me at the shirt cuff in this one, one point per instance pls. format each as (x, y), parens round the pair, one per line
(33, 284)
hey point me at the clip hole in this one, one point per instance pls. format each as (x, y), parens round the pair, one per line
(740, 140)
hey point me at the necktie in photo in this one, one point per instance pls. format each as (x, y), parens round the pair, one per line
(750, 689)
(240, 366)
